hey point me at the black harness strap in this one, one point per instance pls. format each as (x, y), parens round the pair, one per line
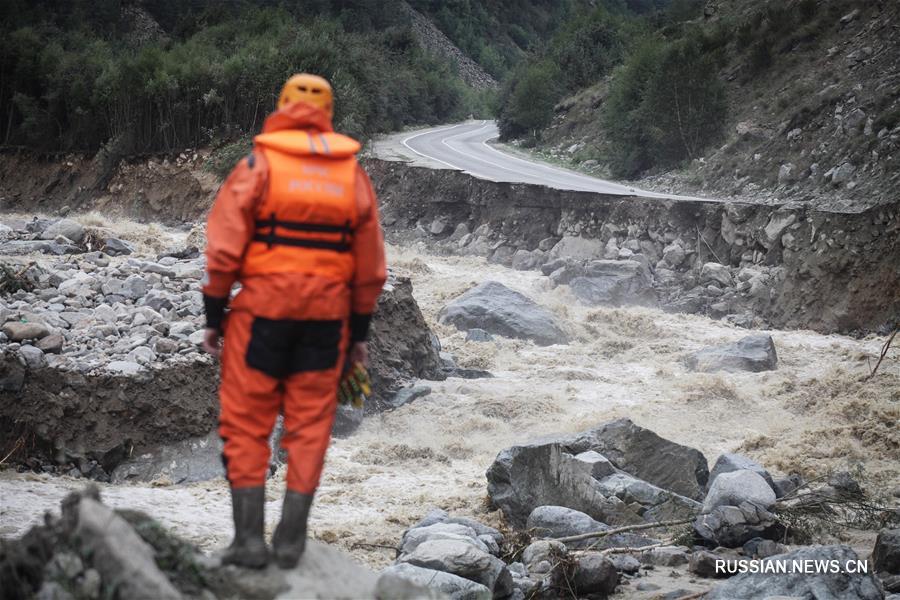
(271, 238)
(278, 240)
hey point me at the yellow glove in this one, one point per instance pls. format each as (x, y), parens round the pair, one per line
(355, 386)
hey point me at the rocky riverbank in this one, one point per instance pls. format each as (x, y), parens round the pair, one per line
(787, 265)
(98, 334)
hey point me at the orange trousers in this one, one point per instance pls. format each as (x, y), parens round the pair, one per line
(251, 399)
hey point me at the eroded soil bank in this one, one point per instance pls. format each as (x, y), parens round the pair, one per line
(834, 272)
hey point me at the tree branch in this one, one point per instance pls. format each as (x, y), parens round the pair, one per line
(608, 532)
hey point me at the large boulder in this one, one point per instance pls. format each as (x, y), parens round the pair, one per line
(754, 353)
(559, 521)
(578, 248)
(96, 552)
(801, 583)
(495, 308)
(645, 455)
(449, 585)
(594, 574)
(464, 560)
(728, 462)
(415, 537)
(886, 555)
(401, 346)
(737, 487)
(734, 526)
(565, 472)
(67, 228)
(614, 283)
(123, 559)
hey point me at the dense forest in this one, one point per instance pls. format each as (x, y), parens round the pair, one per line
(164, 75)
(134, 77)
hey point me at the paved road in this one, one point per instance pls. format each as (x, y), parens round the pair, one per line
(465, 147)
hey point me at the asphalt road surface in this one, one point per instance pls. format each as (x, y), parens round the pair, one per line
(465, 147)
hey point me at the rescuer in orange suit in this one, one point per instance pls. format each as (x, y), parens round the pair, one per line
(296, 223)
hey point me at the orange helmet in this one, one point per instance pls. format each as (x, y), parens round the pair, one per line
(311, 89)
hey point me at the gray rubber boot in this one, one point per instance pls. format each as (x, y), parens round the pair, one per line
(289, 540)
(249, 546)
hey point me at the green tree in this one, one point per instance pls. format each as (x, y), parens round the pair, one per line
(527, 103)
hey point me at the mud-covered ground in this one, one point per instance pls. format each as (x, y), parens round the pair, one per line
(814, 413)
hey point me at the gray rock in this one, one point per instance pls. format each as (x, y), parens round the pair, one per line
(547, 473)
(409, 394)
(465, 560)
(728, 462)
(776, 227)
(490, 543)
(413, 538)
(559, 521)
(135, 287)
(625, 563)
(497, 309)
(787, 172)
(116, 247)
(187, 461)
(737, 487)
(734, 526)
(478, 335)
(540, 556)
(124, 367)
(786, 485)
(447, 585)
(105, 313)
(843, 174)
(66, 228)
(714, 564)
(479, 528)
(594, 574)
(600, 465)
(32, 357)
(837, 586)
(643, 454)
(715, 272)
(754, 353)
(665, 556)
(435, 515)
(760, 548)
(578, 248)
(89, 586)
(886, 555)
(655, 503)
(64, 565)
(614, 283)
(51, 590)
(125, 561)
(674, 254)
(18, 331)
(526, 260)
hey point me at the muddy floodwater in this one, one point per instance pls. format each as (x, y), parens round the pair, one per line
(814, 413)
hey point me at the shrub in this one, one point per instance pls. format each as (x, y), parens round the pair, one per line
(526, 104)
(666, 105)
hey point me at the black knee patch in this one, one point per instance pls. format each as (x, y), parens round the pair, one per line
(282, 347)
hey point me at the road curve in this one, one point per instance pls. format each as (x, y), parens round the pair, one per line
(465, 147)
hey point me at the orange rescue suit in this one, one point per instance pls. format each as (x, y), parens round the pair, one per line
(296, 223)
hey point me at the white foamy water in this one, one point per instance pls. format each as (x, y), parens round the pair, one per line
(812, 414)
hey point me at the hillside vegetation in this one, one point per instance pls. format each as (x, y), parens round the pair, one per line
(161, 76)
(761, 100)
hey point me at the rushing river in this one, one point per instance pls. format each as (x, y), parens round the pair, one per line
(812, 414)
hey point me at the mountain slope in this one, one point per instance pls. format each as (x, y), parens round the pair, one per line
(813, 113)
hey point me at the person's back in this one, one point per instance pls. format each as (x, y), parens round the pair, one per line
(296, 223)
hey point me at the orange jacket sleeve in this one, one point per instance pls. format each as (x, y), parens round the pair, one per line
(229, 229)
(368, 253)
